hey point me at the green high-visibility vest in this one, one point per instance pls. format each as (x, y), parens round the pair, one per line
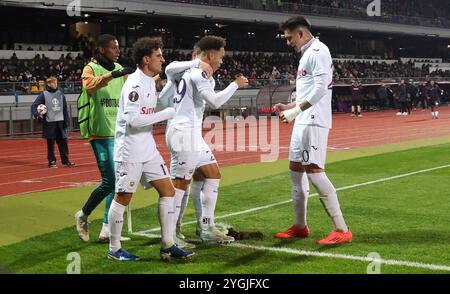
(97, 113)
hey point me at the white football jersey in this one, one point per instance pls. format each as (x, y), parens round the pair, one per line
(138, 97)
(315, 84)
(188, 104)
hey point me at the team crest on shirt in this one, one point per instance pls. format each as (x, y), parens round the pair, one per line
(132, 184)
(204, 75)
(301, 73)
(133, 96)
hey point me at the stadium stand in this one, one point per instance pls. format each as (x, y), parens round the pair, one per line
(433, 13)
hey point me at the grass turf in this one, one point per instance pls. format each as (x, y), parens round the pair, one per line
(404, 219)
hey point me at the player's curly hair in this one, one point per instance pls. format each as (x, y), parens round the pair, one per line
(145, 47)
(211, 43)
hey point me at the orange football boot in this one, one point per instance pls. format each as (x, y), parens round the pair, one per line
(293, 232)
(337, 237)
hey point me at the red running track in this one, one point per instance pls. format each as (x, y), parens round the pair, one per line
(23, 163)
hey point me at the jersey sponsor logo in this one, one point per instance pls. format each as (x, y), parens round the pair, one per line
(147, 110)
(133, 96)
(314, 147)
(316, 50)
(106, 102)
(135, 87)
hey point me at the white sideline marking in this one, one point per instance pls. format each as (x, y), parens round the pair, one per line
(344, 256)
(312, 195)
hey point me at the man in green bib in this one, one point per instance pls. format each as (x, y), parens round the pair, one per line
(103, 79)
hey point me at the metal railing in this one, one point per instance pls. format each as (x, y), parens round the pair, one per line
(18, 120)
(26, 88)
(75, 87)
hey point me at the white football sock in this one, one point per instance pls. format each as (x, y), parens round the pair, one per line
(436, 113)
(197, 187)
(184, 203)
(105, 227)
(210, 191)
(115, 220)
(329, 199)
(299, 193)
(432, 114)
(166, 220)
(177, 201)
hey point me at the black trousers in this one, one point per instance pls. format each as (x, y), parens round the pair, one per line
(63, 150)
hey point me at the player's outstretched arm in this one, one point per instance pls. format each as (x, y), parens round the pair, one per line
(139, 120)
(178, 67)
(218, 99)
(138, 116)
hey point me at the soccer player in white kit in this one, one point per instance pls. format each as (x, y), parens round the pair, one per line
(174, 73)
(189, 152)
(135, 154)
(308, 147)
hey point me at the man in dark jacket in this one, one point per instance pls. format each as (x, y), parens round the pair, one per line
(383, 96)
(356, 99)
(54, 121)
(433, 97)
(402, 98)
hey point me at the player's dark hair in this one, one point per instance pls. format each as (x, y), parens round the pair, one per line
(211, 43)
(145, 47)
(103, 40)
(295, 22)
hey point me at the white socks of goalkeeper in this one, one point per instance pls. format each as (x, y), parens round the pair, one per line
(210, 191)
(115, 220)
(167, 220)
(299, 193)
(329, 199)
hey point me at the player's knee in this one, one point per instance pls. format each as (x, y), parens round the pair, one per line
(296, 167)
(216, 175)
(167, 192)
(123, 198)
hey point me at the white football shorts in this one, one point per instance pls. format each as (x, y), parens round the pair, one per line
(309, 145)
(188, 151)
(128, 175)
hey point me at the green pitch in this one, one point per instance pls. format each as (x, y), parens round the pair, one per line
(404, 220)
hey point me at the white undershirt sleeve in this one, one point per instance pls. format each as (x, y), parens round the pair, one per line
(178, 67)
(207, 92)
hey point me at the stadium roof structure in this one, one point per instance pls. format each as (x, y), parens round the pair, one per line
(168, 8)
